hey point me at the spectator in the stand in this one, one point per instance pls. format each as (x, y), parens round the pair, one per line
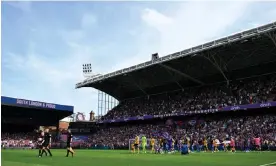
(21, 139)
(17, 139)
(255, 90)
(241, 128)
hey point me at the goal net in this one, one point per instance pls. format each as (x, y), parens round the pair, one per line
(131, 141)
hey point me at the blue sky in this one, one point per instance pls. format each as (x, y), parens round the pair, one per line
(44, 44)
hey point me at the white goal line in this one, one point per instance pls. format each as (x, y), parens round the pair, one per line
(268, 164)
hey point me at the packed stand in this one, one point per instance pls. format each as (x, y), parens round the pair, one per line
(17, 139)
(241, 128)
(20, 140)
(250, 91)
(119, 136)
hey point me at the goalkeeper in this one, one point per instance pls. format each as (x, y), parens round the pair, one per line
(144, 143)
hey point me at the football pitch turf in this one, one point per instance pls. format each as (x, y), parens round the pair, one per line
(124, 158)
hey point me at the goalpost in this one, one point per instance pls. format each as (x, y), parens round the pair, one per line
(131, 141)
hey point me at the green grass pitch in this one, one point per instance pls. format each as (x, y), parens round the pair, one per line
(124, 158)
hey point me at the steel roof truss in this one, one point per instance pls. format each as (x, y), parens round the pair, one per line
(272, 36)
(169, 71)
(182, 74)
(137, 85)
(219, 66)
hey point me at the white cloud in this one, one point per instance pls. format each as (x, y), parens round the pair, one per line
(24, 6)
(156, 20)
(194, 23)
(132, 32)
(51, 81)
(72, 36)
(88, 20)
(189, 24)
(182, 25)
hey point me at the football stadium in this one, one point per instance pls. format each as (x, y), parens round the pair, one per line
(209, 105)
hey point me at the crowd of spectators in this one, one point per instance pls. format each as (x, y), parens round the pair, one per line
(18, 139)
(254, 90)
(29, 140)
(241, 128)
(247, 91)
(24, 139)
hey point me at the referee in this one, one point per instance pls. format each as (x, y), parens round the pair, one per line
(69, 141)
(47, 141)
(40, 142)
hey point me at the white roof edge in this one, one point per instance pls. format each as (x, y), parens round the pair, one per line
(206, 46)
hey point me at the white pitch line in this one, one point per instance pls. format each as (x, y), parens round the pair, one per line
(268, 164)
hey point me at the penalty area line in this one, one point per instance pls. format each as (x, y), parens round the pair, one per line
(268, 164)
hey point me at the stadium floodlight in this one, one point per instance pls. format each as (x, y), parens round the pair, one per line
(87, 70)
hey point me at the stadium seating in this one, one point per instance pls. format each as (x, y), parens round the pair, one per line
(22, 139)
(241, 128)
(248, 91)
(17, 139)
(256, 90)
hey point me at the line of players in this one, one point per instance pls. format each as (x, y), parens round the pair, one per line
(185, 145)
(44, 143)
